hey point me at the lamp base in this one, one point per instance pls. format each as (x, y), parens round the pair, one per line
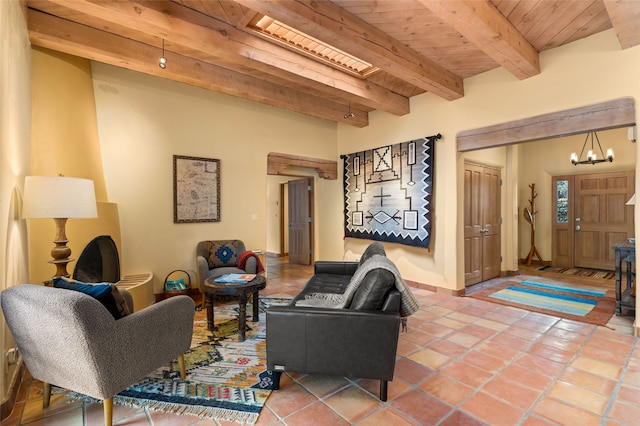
(61, 251)
(61, 266)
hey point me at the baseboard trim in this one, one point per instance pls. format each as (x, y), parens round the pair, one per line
(435, 289)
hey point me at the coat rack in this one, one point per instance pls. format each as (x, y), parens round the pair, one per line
(530, 216)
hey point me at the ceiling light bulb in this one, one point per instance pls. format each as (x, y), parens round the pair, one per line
(163, 62)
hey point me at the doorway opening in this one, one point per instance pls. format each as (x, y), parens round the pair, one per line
(590, 215)
(290, 208)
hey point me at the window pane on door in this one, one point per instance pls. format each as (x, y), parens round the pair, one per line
(562, 197)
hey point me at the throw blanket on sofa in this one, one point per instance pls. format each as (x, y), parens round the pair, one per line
(408, 306)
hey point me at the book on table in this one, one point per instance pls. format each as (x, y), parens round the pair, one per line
(235, 278)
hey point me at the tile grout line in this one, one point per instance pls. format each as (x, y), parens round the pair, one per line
(613, 397)
(556, 378)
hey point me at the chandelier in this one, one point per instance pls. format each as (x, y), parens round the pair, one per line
(591, 156)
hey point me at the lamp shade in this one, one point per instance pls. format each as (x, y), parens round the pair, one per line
(58, 197)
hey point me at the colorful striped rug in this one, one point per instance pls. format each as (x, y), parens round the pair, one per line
(586, 304)
(582, 272)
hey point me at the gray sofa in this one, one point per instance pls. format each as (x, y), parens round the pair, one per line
(358, 340)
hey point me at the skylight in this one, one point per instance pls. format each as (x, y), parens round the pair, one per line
(310, 46)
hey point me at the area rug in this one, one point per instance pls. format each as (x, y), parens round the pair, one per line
(585, 304)
(226, 379)
(582, 272)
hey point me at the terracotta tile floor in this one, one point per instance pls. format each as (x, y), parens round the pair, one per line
(462, 362)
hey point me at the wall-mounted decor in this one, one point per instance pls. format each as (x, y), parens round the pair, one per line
(387, 192)
(196, 189)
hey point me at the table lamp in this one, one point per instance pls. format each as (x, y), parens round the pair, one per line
(59, 198)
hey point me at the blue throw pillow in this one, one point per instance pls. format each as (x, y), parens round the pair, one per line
(107, 294)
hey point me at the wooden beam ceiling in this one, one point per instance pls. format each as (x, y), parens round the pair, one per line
(214, 41)
(342, 29)
(75, 39)
(414, 45)
(625, 16)
(481, 23)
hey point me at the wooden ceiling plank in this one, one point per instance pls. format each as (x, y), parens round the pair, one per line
(606, 115)
(591, 19)
(481, 23)
(209, 39)
(625, 18)
(536, 20)
(76, 39)
(345, 31)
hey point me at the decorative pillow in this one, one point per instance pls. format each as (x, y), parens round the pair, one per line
(222, 254)
(105, 293)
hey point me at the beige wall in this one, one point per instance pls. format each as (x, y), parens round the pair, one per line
(143, 121)
(15, 114)
(582, 73)
(64, 140)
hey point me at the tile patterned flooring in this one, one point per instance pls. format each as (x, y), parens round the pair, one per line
(462, 362)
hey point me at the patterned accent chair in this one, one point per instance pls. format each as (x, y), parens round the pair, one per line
(218, 257)
(69, 339)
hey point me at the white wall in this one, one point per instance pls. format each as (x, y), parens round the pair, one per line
(143, 121)
(585, 72)
(15, 119)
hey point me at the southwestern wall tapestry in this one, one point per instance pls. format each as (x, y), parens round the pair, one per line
(387, 192)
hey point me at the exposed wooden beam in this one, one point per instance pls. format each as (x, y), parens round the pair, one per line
(606, 115)
(625, 16)
(483, 25)
(68, 37)
(219, 43)
(330, 23)
(277, 164)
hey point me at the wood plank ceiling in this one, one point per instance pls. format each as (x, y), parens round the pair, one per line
(417, 45)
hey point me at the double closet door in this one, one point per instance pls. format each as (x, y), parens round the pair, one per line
(589, 215)
(482, 223)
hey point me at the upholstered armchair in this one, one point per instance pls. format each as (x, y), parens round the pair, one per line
(218, 257)
(69, 339)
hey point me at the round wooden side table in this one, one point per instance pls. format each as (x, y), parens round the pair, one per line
(213, 289)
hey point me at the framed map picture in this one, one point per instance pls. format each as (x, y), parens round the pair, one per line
(196, 189)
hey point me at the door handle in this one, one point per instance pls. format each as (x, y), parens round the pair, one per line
(577, 227)
(484, 230)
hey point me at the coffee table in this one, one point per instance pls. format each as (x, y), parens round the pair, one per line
(213, 289)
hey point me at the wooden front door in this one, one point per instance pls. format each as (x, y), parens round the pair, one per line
(300, 221)
(601, 217)
(590, 215)
(482, 223)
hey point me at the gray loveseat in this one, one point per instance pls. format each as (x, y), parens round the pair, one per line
(356, 339)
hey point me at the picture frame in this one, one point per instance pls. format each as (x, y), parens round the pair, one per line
(196, 189)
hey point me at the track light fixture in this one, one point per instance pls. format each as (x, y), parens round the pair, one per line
(163, 59)
(349, 114)
(591, 156)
